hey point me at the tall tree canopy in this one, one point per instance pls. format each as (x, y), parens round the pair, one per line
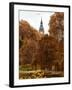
(28, 42)
(56, 25)
(48, 50)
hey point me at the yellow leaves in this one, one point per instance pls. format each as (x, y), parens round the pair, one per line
(31, 74)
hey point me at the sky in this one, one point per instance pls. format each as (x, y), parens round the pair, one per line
(34, 18)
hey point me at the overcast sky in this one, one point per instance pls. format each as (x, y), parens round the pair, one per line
(34, 18)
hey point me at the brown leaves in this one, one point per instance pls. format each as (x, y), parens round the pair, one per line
(42, 51)
(56, 25)
(28, 42)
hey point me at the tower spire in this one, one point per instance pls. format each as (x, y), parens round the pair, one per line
(41, 29)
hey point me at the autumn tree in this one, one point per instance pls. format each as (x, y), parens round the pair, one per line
(36, 60)
(56, 25)
(48, 48)
(56, 30)
(28, 42)
(61, 54)
(27, 51)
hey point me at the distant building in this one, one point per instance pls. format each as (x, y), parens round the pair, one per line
(41, 28)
